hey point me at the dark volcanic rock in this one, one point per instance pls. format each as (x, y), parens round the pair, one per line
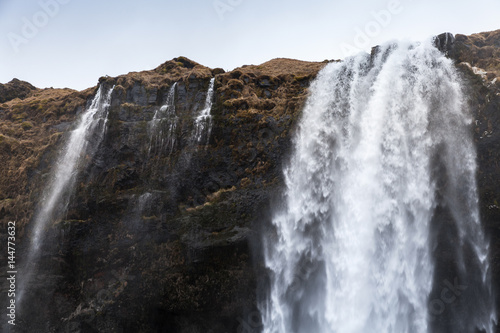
(158, 237)
(15, 89)
(478, 58)
(444, 42)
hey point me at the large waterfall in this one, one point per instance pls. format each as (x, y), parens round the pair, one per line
(83, 141)
(383, 146)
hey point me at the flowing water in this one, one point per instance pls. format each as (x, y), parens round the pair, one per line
(83, 141)
(352, 249)
(203, 122)
(163, 125)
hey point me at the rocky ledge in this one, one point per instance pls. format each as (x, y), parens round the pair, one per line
(153, 238)
(165, 240)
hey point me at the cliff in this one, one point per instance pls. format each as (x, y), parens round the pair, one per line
(478, 58)
(153, 238)
(164, 239)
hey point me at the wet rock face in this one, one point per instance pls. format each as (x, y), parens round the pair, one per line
(444, 42)
(159, 231)
(478, 58)
(159, 235)
(487, 135)
(481, 52)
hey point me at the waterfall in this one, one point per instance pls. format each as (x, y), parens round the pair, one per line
(163, 125)
(83, 141)
(203, 122)
(383, 143)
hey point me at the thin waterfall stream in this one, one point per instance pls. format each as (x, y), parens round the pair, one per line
(203, 121)
(163, 125)
(83, 139)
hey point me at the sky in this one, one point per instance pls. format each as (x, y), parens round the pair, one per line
(71, 43)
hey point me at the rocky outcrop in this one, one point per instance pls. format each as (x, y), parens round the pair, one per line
(480, 52)
(159, 238)
(30, 132)
(478, 57)
(15, 89)
(155, 238)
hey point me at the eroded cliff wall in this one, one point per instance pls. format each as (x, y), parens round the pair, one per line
(164, 237)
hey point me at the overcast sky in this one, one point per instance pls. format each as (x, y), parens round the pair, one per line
(71, 43)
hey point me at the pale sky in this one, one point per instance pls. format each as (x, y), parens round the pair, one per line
(71, 43)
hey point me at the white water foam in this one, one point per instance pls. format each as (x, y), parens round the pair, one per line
(90, 126)
(351, 251)
(163, 125)
(203, 122)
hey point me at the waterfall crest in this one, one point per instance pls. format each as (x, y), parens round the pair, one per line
(352, 249)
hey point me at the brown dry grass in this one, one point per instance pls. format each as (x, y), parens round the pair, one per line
(15, 88)
(274, 88)
(482, 50)
(171, 71)
(253, 100)
(27, 133)
(283, 66)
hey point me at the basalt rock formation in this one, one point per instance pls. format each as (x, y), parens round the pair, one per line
(164, 239)
(153, 239)
(478, 56)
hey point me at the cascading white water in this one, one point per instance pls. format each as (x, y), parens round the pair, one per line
(203, 122)
(164, 116)
(351, 252)
(91, 126)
